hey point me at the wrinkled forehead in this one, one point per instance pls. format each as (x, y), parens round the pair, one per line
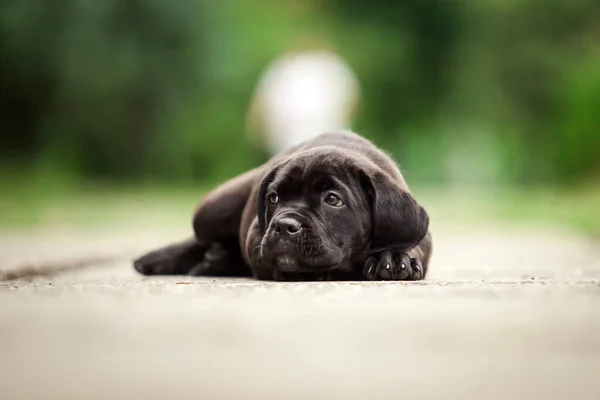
(322, 166)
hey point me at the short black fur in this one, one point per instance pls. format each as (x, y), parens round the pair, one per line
(339, 209)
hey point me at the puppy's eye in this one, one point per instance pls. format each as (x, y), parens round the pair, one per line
(272, 197)
(333, 200)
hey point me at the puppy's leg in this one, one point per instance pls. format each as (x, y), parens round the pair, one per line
(399, 265)
(215, 249)
(175, 259)
(222, 259)
(422, 253)
(217, 221)
(218, 217)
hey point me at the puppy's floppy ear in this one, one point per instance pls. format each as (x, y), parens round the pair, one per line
(397, 219)
(262, 193)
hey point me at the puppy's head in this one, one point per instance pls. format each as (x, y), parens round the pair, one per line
(325, 209)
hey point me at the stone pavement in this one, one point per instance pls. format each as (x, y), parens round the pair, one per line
(505, 313)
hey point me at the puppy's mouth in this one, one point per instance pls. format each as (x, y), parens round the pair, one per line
(301, 250)
(300, 276)
(287, 263)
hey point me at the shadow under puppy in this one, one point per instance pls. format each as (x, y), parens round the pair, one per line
(333, 208)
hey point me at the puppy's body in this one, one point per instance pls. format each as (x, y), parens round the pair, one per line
(334, 207)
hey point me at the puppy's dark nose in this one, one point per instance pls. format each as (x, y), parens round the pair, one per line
(287, 226)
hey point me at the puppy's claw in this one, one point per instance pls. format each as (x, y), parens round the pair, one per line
(369, 271)
(417, 269)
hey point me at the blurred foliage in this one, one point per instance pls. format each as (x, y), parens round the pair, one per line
(494, 91)
(97, 206)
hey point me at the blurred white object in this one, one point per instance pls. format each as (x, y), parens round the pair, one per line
(302, 95)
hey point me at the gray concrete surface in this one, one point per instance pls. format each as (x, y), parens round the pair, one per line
(505, 313)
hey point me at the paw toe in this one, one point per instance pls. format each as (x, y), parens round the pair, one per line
(403, 269)
(385, 266)
(417, 270)
(370, 269)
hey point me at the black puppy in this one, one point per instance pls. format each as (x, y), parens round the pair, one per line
(335, 207)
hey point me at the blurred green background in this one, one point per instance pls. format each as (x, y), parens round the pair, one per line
(489, 107)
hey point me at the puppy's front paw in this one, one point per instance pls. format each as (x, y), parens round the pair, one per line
(392, 266)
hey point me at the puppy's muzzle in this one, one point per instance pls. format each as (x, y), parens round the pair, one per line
(287, 227)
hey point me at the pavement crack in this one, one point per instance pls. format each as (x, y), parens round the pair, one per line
(47, 269)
